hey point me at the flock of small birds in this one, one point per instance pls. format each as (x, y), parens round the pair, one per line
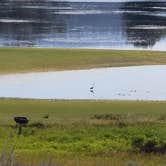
(92, 90)
(130, 93)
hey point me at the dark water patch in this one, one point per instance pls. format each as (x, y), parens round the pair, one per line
(127, 25)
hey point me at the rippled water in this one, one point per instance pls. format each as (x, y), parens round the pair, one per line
(124, 83)
(121, 25)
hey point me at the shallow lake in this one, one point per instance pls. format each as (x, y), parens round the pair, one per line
(118, 24)
(123, 83)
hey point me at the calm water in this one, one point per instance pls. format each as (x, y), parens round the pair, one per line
(124, 83)
(46, 23)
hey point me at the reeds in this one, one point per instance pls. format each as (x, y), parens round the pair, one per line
(7, 157)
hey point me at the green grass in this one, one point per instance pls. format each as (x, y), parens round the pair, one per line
(68, 110)
(13, 60)
(91, 130)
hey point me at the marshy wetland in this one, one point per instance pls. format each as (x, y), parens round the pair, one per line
(79, 132)
(117, 115)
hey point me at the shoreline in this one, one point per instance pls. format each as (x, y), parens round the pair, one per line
(72, 70)
(84, 48)
(80, 100)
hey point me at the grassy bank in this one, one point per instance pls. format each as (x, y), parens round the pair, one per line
(94, 131)
(28, 59)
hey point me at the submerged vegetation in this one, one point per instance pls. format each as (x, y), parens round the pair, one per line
(14, 60)
(86, 132)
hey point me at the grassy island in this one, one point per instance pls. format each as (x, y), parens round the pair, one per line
(14, 60)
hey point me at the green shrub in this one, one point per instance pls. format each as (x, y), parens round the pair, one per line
(150, 145)
(138, 142)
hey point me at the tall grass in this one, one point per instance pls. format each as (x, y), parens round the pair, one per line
(92, 133)
(120, 159)
(7, 154)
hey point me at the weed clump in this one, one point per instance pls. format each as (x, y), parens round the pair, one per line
(46, 116)
(115, 117)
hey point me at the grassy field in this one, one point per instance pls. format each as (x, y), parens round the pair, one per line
(27, 60)
(69, 110)
(86, 132)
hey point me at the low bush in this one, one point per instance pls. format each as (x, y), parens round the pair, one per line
(115, 117)
(149, 145)
(46, 116)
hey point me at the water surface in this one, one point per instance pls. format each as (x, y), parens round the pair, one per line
(124, 83)
(47, 23)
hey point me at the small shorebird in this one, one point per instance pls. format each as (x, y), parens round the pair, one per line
(92, 88)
